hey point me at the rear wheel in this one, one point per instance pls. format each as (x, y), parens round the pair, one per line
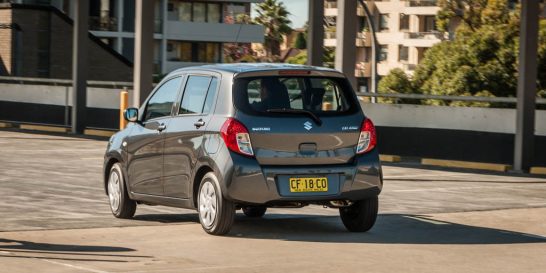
(216, 214)
(254, 211)
(360, 216)
(120, 204)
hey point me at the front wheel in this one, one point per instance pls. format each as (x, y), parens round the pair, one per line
(120, 203)
(360, 216)
(216, 214)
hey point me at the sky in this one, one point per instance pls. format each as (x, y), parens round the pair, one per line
(298, 10)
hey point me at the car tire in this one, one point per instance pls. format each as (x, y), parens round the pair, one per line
(120, 203)
(360, 216)
(254, 211)
(216, 214)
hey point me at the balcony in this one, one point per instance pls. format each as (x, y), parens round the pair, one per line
(104, 23)
(363, 69)
(422, 39)
(421, 3)
(364, 39)
(431, 35)
(329, 39)
(421, 7)
(409, 67)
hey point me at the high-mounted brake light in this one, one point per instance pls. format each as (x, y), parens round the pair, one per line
(294, 72)
(368, 138)
(236, 137)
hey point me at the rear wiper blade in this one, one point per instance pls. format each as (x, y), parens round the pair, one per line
(313, 116)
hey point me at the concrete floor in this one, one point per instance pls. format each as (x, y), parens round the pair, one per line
(55, 218)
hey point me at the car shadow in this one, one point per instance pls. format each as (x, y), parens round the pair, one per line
(32, 250)
(389, 229)
(168, 218)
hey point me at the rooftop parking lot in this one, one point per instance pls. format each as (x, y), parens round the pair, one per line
(56, 217)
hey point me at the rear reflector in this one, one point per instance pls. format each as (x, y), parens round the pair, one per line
(368, 138)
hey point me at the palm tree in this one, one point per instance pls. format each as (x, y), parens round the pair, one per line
(273, 15)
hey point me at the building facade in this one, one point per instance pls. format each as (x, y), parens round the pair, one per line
(36, 42)
(405, 29)
(185, 32)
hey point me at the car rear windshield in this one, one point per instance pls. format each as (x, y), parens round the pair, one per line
(320, 95)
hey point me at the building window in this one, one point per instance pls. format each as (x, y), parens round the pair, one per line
(404, 21)
(403, 53)
(185, 52)
(233, 10)
(184, 12)
(383, 53)
(214, 13)
(430, 23)
(383, 22)
(194, 52)
(200, 12)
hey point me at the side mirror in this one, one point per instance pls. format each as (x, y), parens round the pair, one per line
(131, 114)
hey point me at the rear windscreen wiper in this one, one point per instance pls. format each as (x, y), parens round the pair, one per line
(313, 116)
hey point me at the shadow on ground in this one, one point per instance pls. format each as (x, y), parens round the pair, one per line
(389, 229)
(29, 250)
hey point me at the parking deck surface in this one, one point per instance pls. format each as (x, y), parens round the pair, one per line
(55, 218)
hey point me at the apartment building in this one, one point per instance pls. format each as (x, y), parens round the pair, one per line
(185, 32)
(405, 30)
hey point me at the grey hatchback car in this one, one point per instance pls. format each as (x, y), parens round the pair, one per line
(219, 138)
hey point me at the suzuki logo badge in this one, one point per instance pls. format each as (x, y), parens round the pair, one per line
(308, 126)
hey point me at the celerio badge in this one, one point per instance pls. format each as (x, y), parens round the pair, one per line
(308, 125)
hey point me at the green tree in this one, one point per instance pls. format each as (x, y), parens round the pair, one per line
(395, 82)
(301, 58)
(482, 59)
(300, 42)
(273, 15)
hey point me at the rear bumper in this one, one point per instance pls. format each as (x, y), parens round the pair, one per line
(245, 181)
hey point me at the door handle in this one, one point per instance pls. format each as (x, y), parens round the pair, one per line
(199, 123)
(161, 127)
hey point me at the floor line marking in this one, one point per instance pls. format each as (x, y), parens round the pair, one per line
(74, 266)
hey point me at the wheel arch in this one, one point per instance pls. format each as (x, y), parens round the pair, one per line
(204, 166)
(112, 159)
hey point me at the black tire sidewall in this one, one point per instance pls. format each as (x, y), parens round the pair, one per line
(126, 208)
(221, 202)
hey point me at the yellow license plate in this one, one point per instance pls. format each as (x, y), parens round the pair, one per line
(308, 184)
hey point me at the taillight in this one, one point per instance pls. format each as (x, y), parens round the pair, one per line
(368, 138)
(236, 137)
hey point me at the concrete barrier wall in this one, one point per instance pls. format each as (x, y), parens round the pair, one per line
(491, 120)
(457, 133)
(106, 98)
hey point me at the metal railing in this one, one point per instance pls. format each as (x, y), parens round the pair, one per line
(422, 3)
(425, 35)
(446, 98)
(62, 82)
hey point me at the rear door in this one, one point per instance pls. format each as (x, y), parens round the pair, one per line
(145, 144)
(184, 137)
(327, 133)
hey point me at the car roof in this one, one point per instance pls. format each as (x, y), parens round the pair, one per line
(237, 68)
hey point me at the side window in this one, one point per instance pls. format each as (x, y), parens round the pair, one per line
(210, 95)
(161, 102)
(194, 94)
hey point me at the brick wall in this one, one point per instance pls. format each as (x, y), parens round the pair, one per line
(5, 43)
